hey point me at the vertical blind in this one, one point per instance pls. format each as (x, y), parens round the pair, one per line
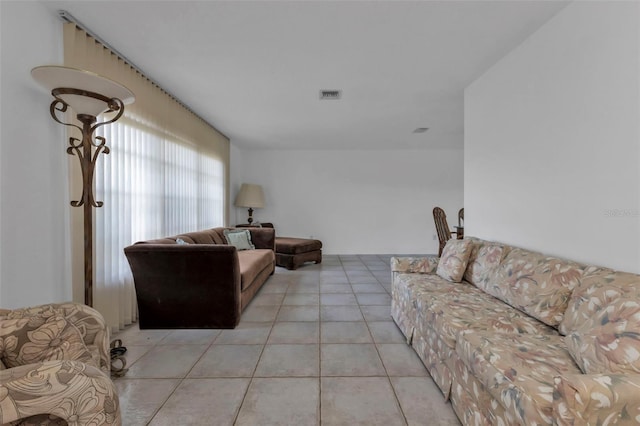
(167, 173)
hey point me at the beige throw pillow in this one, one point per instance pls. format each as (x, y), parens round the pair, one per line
(454, 259)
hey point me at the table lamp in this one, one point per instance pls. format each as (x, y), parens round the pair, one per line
(250, 196)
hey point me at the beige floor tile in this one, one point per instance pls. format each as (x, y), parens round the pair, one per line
(374, 299)
(338, 299)
(256, 313)
(203, 402)
(134, 352)
(301, 299)
(421, 399)
(350, 360)
(340, 313)
(340, 278)
(386, 332)
(294, 332)
(267, 299)
(335, 288)
(281, 401)
(166, 361)
(228, 361)
(302, 288)
(298, 313)
(246, 333)
(376, 313)
(359, 401)
(288, 361)
(135, 336)
(345, 332)
(190, 337)
(274, 287)
(141, 398)
(368, 288)
(401, 360)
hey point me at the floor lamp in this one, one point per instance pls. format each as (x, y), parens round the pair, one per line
(89, 95)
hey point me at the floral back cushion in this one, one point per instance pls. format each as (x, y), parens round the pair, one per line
(37, 338)
(598, 288)
(483, 262)
(454, 259)
(609, 342)
(536, 284)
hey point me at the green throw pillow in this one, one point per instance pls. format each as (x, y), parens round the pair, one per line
(241, 239)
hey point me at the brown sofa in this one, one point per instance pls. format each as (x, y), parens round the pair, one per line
(205, 283)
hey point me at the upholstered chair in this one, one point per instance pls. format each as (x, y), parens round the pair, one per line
(54, 367)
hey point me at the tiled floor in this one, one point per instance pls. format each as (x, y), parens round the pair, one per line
(315, 346)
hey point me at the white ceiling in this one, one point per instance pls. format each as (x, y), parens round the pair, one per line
(254, 69)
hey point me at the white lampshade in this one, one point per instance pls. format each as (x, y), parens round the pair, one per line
(56, 77)
(250, 195)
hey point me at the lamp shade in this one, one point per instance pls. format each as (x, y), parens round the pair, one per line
(250, 195)
(57, 77)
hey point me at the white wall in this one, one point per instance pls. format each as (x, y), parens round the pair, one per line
(33, 202)
(356, 202)
(552, 140)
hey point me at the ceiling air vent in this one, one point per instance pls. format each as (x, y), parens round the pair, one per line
(330, 94)
(421, 130)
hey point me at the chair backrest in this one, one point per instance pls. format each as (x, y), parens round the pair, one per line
(442, 228)
(460, 216)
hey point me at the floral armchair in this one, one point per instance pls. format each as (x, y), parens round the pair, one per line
(54, 367)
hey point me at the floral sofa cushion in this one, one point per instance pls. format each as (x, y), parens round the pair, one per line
(34, 339)
(484, 260)
(598, 288)
(453, 262)
(450, 314)
(536, 284)
(518, 370)
(62, 381)
(609, 341)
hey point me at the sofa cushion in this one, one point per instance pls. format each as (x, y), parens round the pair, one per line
(484, 261)
(32, 339)
(598, 288)
(452, 313)
(518, 370)
(200, 237)
(609, 341)
(453, 261)
(252, 262)
(536, 284)
(239, 238)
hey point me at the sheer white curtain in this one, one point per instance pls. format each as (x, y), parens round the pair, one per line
(166, 173)
(152, 186)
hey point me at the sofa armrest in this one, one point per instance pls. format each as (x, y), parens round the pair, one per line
(71, 390)
(263, 238)
(596, 399)
(189, 284)
(93, 327)
(419, 265)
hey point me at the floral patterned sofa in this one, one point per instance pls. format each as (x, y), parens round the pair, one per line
(513, 336)
(54, 367)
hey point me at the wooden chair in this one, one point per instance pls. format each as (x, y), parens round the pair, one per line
(460, 216)
(442, 228)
